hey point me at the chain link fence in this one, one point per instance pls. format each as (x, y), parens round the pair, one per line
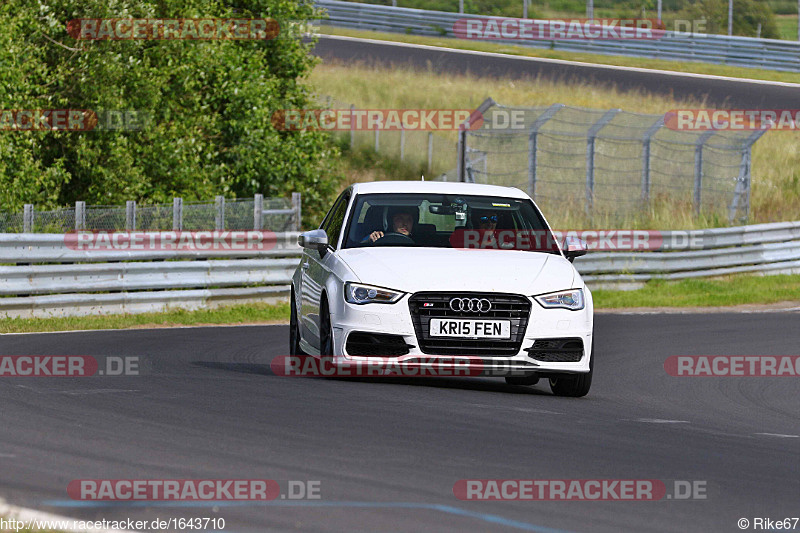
(275, 214)
(609, 164)
(433, 152)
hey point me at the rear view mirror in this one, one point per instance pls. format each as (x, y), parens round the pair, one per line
(574, 247)
(316, 239)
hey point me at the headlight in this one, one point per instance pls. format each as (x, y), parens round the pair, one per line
(571, 299)
(356, 293)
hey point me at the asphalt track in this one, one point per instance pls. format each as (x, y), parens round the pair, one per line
(388, 452)
(714, 90)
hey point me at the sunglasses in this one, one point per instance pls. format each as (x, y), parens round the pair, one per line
(486, 220)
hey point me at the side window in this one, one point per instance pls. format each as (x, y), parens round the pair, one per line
(335, 220)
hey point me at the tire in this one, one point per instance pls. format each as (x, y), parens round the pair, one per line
(325, 333)
(524, 381)
(573, 385)
(294, 329)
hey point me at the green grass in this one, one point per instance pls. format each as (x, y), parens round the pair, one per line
(238, 314)
(677, 66)
(730, 290)
(787, 26)
(727, 291)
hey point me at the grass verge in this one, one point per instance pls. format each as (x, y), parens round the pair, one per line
(238, 314)
(718, 292)
(622, 61)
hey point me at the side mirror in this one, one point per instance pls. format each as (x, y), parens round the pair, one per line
(316, 239)
(574, 247)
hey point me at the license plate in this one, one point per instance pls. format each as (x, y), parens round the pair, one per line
(476, 329)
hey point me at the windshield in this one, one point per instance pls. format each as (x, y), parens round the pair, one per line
(447, 221)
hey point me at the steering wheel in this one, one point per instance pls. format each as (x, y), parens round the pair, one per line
(394, 238)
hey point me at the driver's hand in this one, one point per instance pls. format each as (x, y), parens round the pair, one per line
(375, 235)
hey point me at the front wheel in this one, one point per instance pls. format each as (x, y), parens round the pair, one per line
(573, 385)
(294, 329)
(325, 334)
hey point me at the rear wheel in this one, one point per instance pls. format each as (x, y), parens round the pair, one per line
(573, 385)
(294, 329)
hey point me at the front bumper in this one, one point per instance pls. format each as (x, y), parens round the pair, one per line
(396, 319)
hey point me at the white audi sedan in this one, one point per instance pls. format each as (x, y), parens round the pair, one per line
(421, 271)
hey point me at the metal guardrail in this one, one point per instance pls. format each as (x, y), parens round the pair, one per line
(772, 54)
(142, 281)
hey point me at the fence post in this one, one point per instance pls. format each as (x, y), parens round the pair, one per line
(742, 189)
(648, 135)
(130, 215)
(80, 216)
(402, 143)
(219, 216)
(430, 151)
(533, 145)
(698, 169)
(590, 138)
(461, 167)
(258, 212)
(27, 218)
(377, 138)
(177, 214)
(462, 155)
(297, 206)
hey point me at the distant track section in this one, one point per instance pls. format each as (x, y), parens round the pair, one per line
(716, 90)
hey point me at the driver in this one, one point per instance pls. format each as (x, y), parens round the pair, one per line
(402, 221)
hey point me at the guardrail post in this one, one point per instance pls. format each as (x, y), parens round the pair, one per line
(402, 143)
(430, 151)
(177, 214)
(297, 206)
(80, 216)
(130, 215)
(648, 135)
(27, 218)
(590, 138)
(698, 169)
(533, 145)
(258, 212)
(219, 215)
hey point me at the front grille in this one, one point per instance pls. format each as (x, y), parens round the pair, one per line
(564, 350)
(427, 305)
(376, 344)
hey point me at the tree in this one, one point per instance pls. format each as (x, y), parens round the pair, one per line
(209, 104)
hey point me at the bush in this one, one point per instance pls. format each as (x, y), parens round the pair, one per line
(210, 102)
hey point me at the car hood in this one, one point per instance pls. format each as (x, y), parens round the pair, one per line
(447, 269)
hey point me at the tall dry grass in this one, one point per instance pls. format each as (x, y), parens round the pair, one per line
(775, 157)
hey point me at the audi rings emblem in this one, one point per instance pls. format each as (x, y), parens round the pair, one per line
(470, 305)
